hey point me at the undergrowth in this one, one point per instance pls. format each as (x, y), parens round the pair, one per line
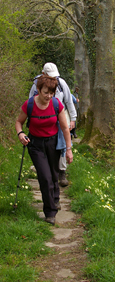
(92, 193)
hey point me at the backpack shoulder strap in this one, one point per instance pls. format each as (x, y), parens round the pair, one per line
(35, 82)
(59, 85)
(30, 106)
(29, 109)
(56, 105)
(35, 79)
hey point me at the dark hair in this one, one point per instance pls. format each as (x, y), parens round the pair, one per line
(48, 81)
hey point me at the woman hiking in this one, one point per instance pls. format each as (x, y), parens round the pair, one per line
(42, 141)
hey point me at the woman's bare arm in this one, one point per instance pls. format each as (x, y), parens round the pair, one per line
(66, 133)
(19, 127)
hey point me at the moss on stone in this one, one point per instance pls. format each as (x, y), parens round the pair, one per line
(93, 137)
(89, 125)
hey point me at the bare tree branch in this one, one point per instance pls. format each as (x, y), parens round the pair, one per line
(64, 9)
(58, 36)
(57, 9)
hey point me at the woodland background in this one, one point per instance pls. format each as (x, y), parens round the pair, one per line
(79, 37)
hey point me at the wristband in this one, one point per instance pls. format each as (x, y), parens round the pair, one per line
(68, 148)
(20, 132)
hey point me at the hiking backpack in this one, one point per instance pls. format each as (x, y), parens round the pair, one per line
(35, 82)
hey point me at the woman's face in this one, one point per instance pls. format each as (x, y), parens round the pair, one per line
(45, 95)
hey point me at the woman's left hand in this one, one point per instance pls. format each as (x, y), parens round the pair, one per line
(69, 156)
(72, 125)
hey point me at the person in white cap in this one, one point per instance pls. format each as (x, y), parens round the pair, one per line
(64, 95)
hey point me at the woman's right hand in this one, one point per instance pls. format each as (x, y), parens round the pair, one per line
(24, 139)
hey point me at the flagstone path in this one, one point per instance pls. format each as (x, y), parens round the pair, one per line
(69, 258)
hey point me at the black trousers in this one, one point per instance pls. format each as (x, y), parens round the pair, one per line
(45, 158)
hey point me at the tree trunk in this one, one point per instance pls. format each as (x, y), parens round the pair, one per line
(103, 87)
(81, 68)
(101, 72)
(82, 76)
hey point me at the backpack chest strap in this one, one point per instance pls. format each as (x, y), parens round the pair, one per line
(43, 117)
(30, 107)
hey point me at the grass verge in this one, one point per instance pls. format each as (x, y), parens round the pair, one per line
(22, 232)
(92, 191)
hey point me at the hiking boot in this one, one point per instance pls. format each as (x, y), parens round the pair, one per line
(50, 220)
(62, 179)
(58, 206)
(75, 135)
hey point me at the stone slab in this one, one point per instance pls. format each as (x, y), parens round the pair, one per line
(62, 233)
(33, 168)
(64, 207)
(40, 206)
(41, 215)
(64, 216)
(65, 273)
(64, 199)
(37, 195)
(60, 246)
(34, 183)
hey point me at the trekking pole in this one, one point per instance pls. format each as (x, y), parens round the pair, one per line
(15, 205)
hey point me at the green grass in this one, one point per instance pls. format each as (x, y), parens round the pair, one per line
(22, 232)
(92, 193)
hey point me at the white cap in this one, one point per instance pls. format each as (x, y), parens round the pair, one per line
(51, 69)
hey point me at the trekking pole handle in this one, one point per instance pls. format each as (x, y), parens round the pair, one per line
(26, 137)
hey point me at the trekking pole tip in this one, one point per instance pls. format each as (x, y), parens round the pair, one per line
(15, 206)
